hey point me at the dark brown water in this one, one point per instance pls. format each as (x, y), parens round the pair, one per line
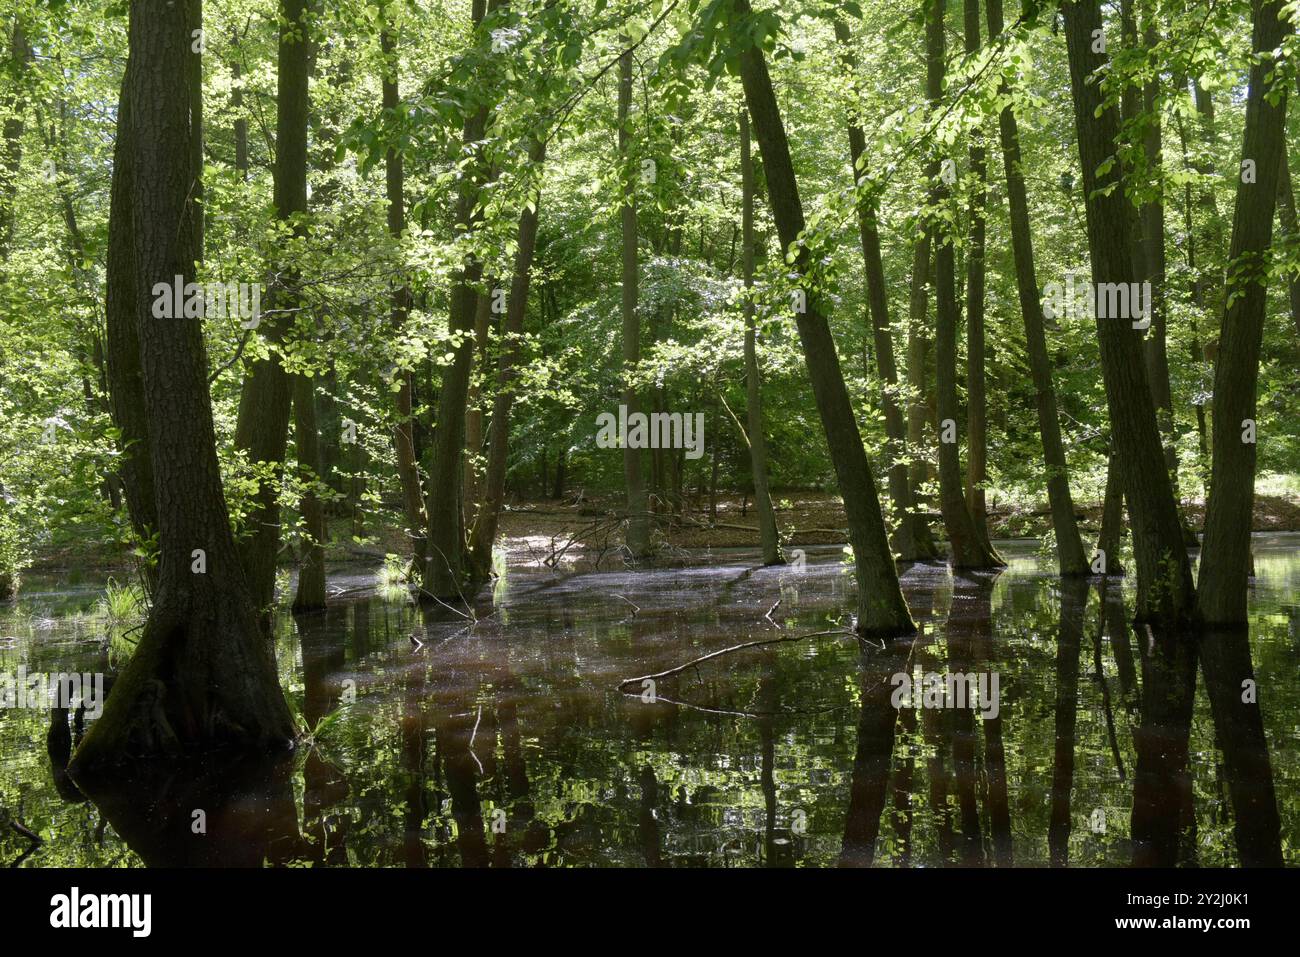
(507, 741)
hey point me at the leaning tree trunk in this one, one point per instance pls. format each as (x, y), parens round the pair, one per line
(203, 675)
(262, 429)
(882, 609)
(494, 478)
(767, 533)
(1225, 552)
(1164, 579)
(638, 509)
(911, 540)
(968, 551)
(1070, 556)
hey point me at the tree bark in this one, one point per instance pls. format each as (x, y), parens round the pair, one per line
(445, 568)
(768, 538)
(1164, 581)
(202, 675)
(638, 517)
(1070, 557)
(1225, 552)
(967, 549)
(311, 572)
(882, 610)
(494, 478)
(262, 429)
(911, 539)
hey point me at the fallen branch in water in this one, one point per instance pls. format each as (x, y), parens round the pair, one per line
(726, 651)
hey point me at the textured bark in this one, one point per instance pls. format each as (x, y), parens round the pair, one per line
(1070, 557)
(911, 539)
(967, 549)
(882, 609)
(1164, 581)
(494, 478)
(262, 429)
(122, 310)
(1225, 552)
(408, 472)
(202, 675)
(767, 533)
(638, 509)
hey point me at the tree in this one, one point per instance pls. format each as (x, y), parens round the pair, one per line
(767, 533)
(1164, 578)
(202, 675)
(1225, 551)
(968, 551)
(1070, 558)
(882, 610)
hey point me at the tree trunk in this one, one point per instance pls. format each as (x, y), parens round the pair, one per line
(12, 103)
(882, 610)
(1225, 552)
(445, 568)
(967, 549)
(1070, 557)
(911, 540)
(311, 572)
(262, 430)
(203, 675)
(494, 479)
(638, 518)
(474, 404)
(767, 533)
(1164, 581)
(1112, 521)
(408, 472)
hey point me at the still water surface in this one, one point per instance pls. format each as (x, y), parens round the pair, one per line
(507, 741)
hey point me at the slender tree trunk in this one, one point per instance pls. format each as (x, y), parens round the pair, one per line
(494, 479)
(12, 104)
(638, 518)
(918, 387)
(967, 549)
(882, 609)
(445, 569)
(1164, 581)
(1112, 520)
(408, 472)
(202, 675)
(311, 573)
(474, 404)
(976, 401)
(262, 429)
(911, 540)
(1225, 553)
(1288, 222)
(1070, 556)
(767, 533)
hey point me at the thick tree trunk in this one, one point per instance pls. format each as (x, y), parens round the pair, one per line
(882, 609)
(967, 549)
(911, 540)
(1164, 581)
(638, 517)
(1225, 552)
(767, 533)
(203, 675)
(494, 478)
(122, 307)
(408, 472)
(12, 105)
(1070, 556)
(262, 430)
